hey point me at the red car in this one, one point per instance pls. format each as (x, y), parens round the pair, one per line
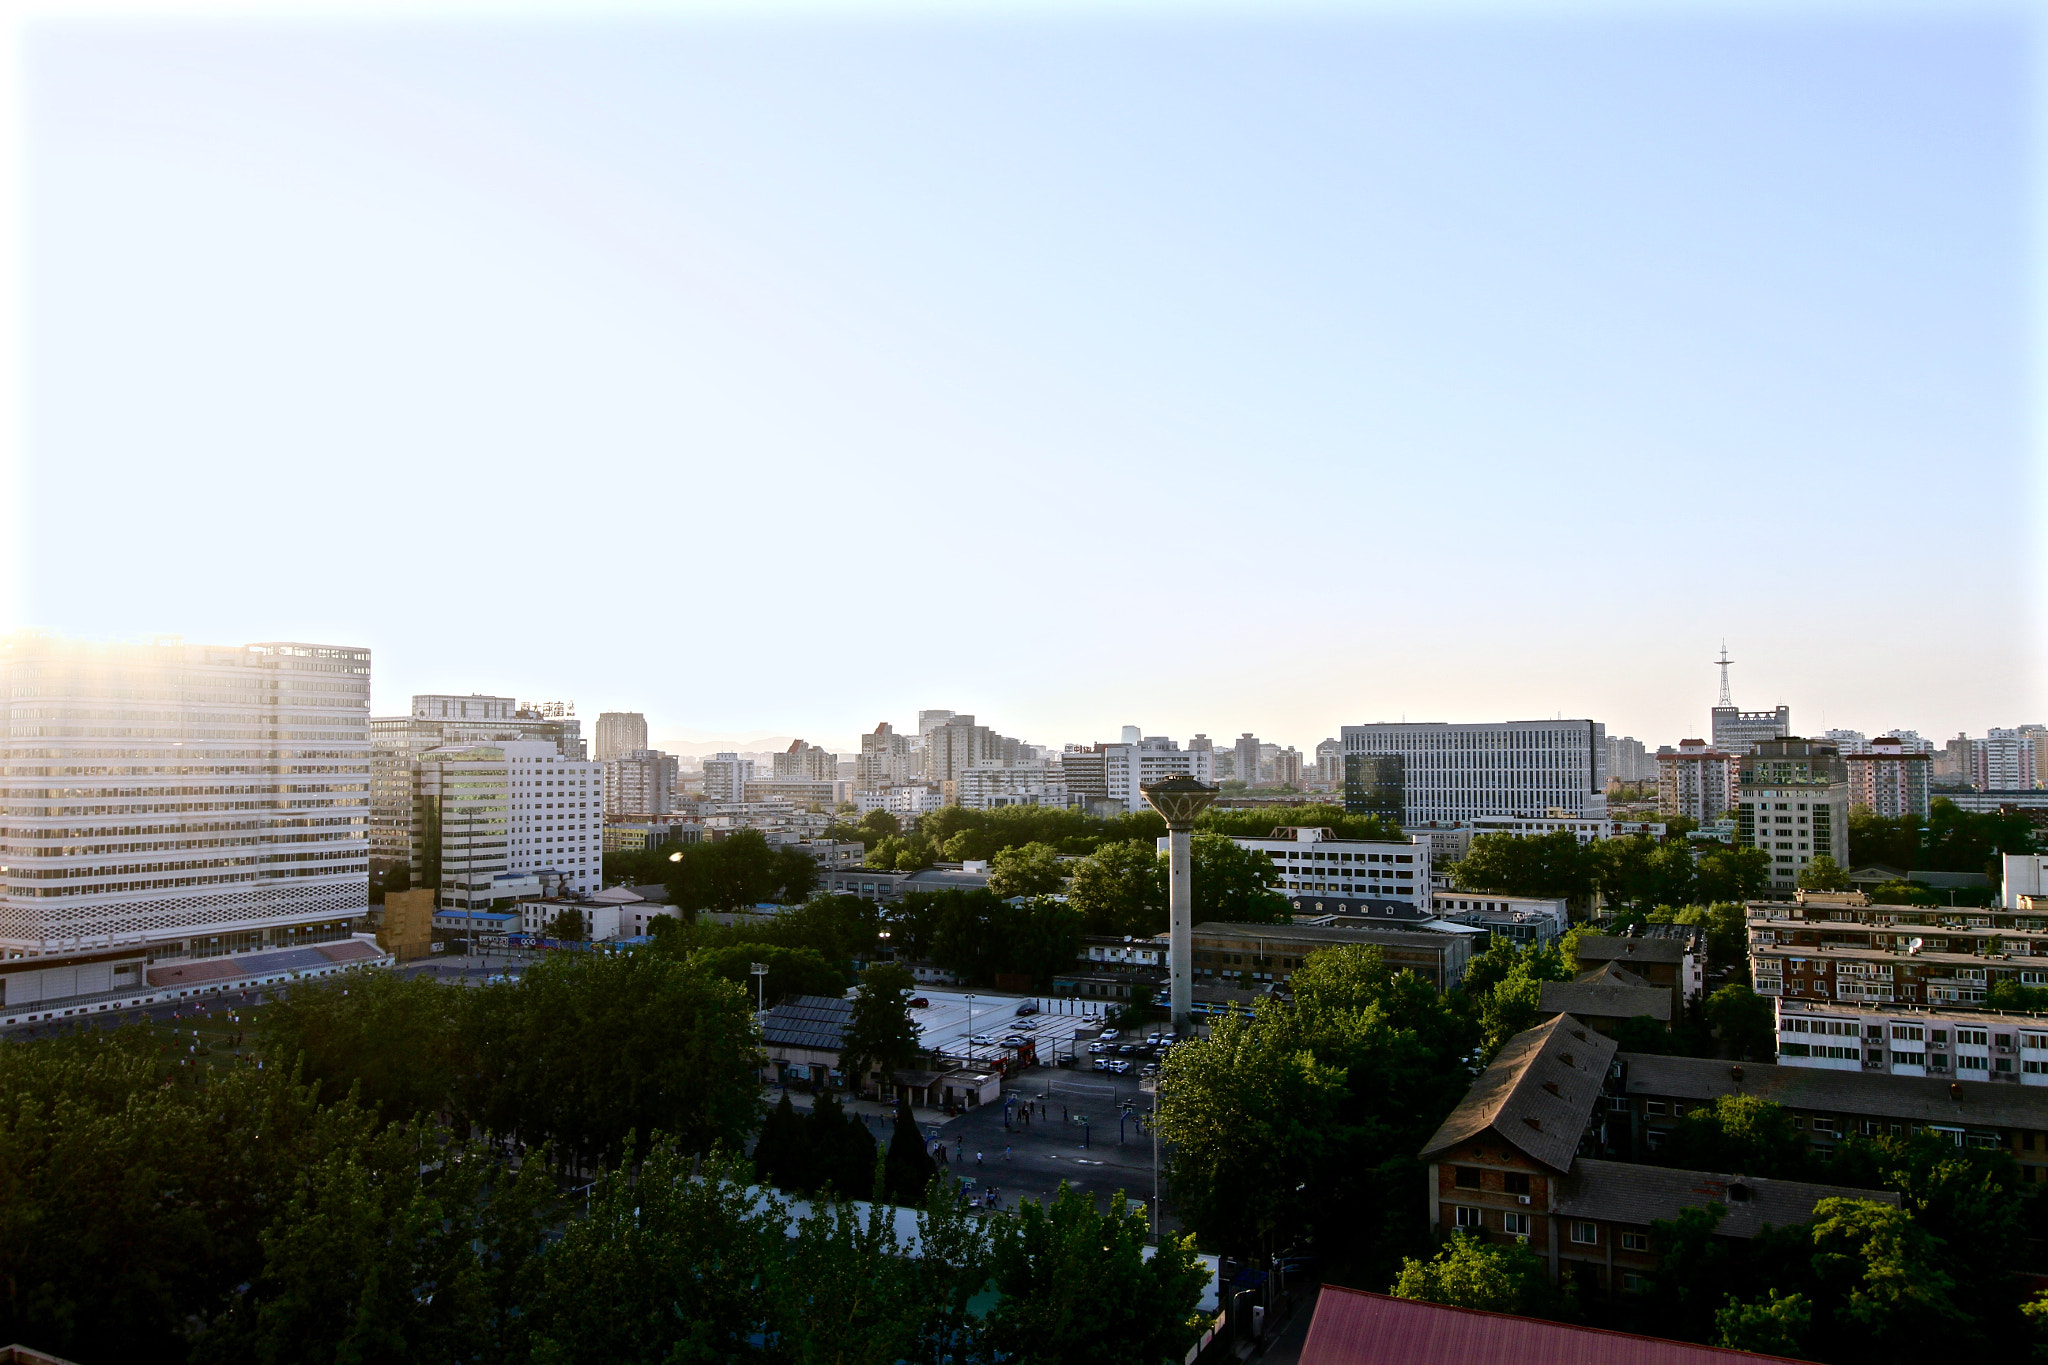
(918, 1002)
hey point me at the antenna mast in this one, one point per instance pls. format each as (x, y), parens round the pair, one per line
(1724, 661)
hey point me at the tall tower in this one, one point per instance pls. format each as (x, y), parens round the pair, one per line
(1726, 699)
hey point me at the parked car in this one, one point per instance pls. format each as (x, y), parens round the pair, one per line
(982, 1040)
(1015, 1040)
(1101, 1064)
(1125, 1050)
(1109, 1035)
(918, 1002)
(1026, 1008)
(1097, 1049)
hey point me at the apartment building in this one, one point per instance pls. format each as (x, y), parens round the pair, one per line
(906, 802)
(1793, 802)
(1330, 763)
(1451, 774)
(641, 782)
(888, 759)
(1244, 756)
(489, 817)
(726, 777)
(1315, 862)
(645, 837)
(1696, 780)
(2005, 760)
(1585, 831)
(1838, 948)
(1905, 1040)
(1256, 956)
(1036, 784)
(803, 761)
(1889, 778)
(1676, 963)
(193, 799)
(805, 793)
(619, 732)
(1521, 1158)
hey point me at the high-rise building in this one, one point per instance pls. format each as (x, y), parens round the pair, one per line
(1629, 761)
(1454, 773)
(1697, 780)
(1287, 767)
(1737, 732)
(197, 799)
(726, 777)
(1793, 802)
(2005, 760)
(1889, 778)
(1846, 742)
(1084, 772)
(488, 816)
(807, 761)
(957, 744)
(1128, 767)
(437, 721)
(641, 782)
(1245, 759)
(1330, 762)
(619, 732)
(887, 759)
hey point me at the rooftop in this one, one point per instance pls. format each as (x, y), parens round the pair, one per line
(1606, 948)
(1537, 1094)
(1353, 1327)
(1318, 935)
(1606, 1000)
(810, 1021)
(1922, 1099)
(1623, 1192)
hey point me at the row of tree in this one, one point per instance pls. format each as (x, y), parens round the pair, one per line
(1948, 839)
(1635, 873)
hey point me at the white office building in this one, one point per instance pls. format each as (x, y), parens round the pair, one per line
(1314, 862)
(1452, 774)
(1037, 784)
(196, 799)
(905, 802)
(1736, 731)
(436, 721)
(1126, 768)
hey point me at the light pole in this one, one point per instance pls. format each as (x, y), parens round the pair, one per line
(1155, 1170)
(760, 971)
(1180, 799)
(970, 1028)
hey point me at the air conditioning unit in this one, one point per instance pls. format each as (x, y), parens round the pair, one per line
(1522, 1198)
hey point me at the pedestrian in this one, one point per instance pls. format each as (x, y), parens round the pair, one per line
(977, 1159)
(1006, 1153)
(1063, 1113)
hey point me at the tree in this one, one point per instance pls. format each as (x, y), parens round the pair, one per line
(1233, 883)
(1824, 874)
(1502, 1277)
(1738, 1134)
(1881, 1275)
(1745, 1022)
(791, 971)
(1968, 841)
(1643, 1034)
(907, 1167)
(840, 1150)
(739, 870)
(1733, 874)
(881, 1034)
(1553, 865)
(590, 1050)
(565, 927)
(1032, 870)
(1258, 823)
(1775, 1325)
(1640, 872)
(1889, 841)
(1075, 1285)
(781, 1155)
(1120, 889)
(396, 1043)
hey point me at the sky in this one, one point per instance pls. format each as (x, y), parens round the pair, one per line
(1220, 369)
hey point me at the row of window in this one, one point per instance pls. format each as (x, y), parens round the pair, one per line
(1581, 1232)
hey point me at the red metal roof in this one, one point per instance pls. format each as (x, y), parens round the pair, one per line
(1352, 1327)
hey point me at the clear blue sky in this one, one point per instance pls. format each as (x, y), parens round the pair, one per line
(1212, 373)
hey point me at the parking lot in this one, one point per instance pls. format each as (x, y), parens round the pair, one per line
(951, 1020)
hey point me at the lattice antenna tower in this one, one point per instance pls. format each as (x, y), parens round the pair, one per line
(1724, 661)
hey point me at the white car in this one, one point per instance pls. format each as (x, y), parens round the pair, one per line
(1108, 1035)
(982, 1040)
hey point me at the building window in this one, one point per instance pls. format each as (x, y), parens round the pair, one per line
(1515, 1224)
(1515, 1183)
(1635, 1241)
(1586, 1234)
(1468, 1177)
(1469, 1218)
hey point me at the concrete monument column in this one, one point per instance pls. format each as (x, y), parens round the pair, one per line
(1180, 800)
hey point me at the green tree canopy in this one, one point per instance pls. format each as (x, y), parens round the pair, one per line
(1027, 870)
(1498, 1277)
(1738, 1134)
(1554, 865)
(881, 1034)
(1234, 884)
(1120, 889)
(1824, 874)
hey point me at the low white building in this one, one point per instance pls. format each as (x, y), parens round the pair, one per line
(1034, 784)
(2022, 874)
(601, 919)
(1314, 861)
(905, 802)
(1906, 1041)
(1528, 920)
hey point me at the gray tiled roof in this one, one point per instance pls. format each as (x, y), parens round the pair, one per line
(1921, 1099)
(1604, 948)
(1622, 1192)
(1613, 973)
(1606, 1000)
(1537, 1095)
(809, 1021)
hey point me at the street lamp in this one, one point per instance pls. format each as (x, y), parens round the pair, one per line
(1181, 799)
(760, 971)
(970, 1028)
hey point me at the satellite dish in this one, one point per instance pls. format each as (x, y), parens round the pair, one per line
(1916, 945)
